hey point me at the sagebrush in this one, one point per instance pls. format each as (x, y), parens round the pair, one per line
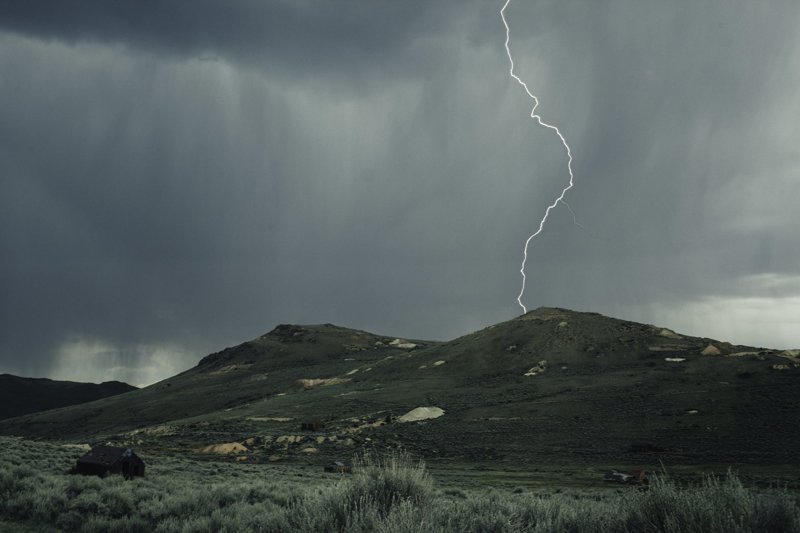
(386, 493)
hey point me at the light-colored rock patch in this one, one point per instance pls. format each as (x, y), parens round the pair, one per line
(323, 382)
(400, 343)
(710, 350)
(439, 363)
(781, 367)
(352, 372)
(270, 418)
(790, 353)
(310, 449)
(538, 369)
(421, 413)
(668, 333)
(160, 430)
(665, 348)
(366, 425)
(422, 367)
(224, 448)
(675, 359)
(230, 368)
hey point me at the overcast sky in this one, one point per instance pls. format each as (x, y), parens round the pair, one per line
(178, 177)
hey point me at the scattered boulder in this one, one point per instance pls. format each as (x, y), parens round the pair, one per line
(675, 359)
(439, 363)
(668, 333)
(711, 350)
(400, 343)
(288, 439)
(538, 369)
(421, 413)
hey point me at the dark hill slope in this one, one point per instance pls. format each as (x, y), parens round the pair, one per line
(253, 371)
(551, 385)
(20, 396)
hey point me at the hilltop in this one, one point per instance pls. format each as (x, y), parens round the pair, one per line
(551, 385)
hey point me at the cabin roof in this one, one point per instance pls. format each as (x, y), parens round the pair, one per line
(106, 455)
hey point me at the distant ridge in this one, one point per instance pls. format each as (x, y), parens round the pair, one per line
(21, 396)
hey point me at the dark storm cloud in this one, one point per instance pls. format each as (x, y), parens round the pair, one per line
(372, 165)
(296, 38)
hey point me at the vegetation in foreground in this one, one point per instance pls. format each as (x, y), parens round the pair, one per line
(385, 493)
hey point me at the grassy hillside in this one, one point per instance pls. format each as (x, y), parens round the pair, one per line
(552, 386)
(20, 396)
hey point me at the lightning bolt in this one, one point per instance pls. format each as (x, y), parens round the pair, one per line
(574, 216)
(538, 118)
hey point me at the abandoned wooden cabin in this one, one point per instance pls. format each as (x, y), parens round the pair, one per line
(104, 460)
(312, 425)
(338, 467)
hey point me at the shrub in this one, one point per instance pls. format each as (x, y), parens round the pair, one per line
(388, 494)
(362, 502)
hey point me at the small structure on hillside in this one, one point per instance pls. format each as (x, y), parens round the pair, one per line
(636, 477)
(312, 425)
(104, 460)
(615, 476)
(338, 467)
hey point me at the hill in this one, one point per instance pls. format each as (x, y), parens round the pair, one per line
(551, 386)
(20, 396)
